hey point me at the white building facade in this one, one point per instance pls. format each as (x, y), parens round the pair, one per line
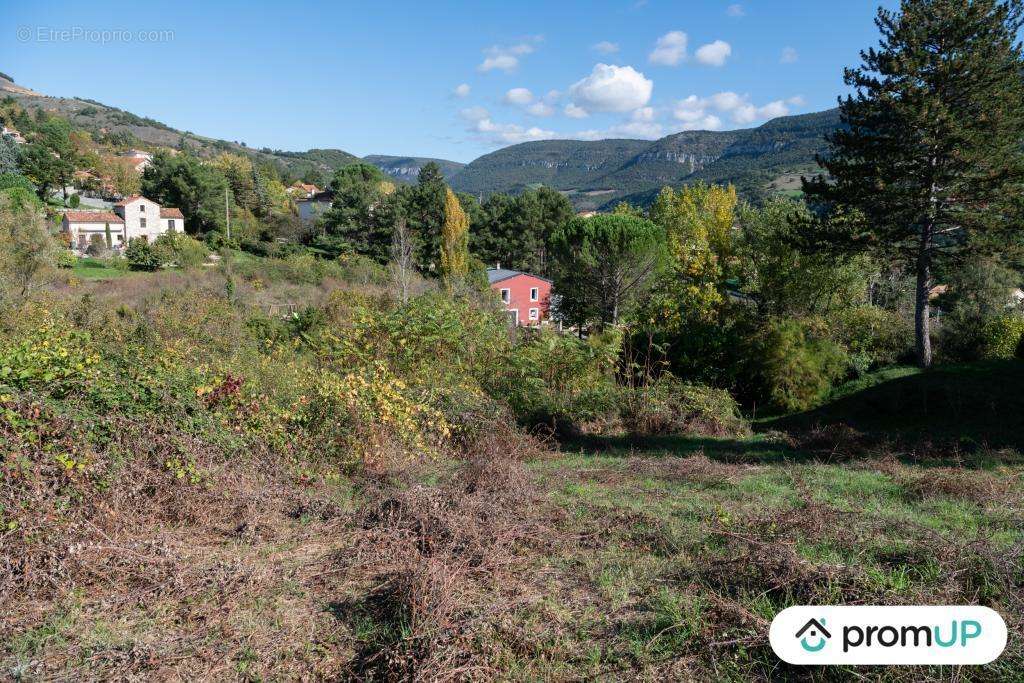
(132, 217)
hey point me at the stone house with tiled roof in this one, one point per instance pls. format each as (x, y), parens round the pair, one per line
(138, 160)
(132, 217)
(303, 190)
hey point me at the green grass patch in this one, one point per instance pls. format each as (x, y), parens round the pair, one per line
(89, 268)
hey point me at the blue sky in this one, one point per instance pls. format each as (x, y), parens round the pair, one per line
(384, 78)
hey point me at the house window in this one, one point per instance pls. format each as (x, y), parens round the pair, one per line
(534, 314)
(142, 222)
(170, 224)
(506, 295)
(142, 208)
(534, 293)
(120, 237)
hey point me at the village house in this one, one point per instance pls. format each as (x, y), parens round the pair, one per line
(132, 217)
(14, 135)
(138, 159)
(526, 297)
(303, 190)
(315, 206)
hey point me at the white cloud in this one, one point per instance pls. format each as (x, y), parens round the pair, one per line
(511, 133)
(574, 112)
(642, 123)
(649, 130)
(789, 55)
(612, 88)
(540, 109)
(694, 112)
(505, 58)
(690, 109)
(499, 61)
(744, 114)
(519, 96)
(714, 54)
(605, 47)
(706, 122)
(485, 127)
(461, 90)
(590, 134)
(670, 49)
(726, 101)
(773, 109)
(736, 11)
(643, 114)
(796, 101)
(475, 113)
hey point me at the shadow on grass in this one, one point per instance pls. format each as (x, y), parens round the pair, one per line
(971, 406)
(752, 450)
(966, 415)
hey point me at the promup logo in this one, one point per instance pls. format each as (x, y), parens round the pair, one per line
(817, 631)
(888, 635)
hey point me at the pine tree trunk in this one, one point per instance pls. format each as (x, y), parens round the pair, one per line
(922, 326)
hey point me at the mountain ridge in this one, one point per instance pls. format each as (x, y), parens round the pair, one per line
(598, 174)
(594, 175)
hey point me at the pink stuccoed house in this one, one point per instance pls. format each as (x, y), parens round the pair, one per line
(527, 298)
(132, 217)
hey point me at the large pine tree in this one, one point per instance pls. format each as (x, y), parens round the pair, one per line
(930, 150)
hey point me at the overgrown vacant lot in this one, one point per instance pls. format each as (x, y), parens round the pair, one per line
(194, 488)
(667, 561)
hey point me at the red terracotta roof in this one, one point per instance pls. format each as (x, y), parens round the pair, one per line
(129, 200)
(166, 212)
(93, 217)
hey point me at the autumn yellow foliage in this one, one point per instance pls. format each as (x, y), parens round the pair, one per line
(454, 241)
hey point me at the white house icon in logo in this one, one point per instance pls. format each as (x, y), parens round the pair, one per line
(814, 635)
(818, 634)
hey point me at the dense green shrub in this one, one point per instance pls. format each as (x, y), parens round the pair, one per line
(180, 249)
(979, 293)
(871, 335)
(294, 268)
(799, 363)
(669, 406)
(362, 270)
(65, 259)
(432, 333)
(97, 246)
(557, 380)
(1003, 337)
(141, 255)
(12, 180)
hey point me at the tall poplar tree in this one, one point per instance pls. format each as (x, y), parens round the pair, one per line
(454, 242)
(929, 152)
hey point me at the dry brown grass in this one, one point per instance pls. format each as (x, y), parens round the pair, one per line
(145, 575)
(436, 561)
(252, 570)
(694, 468)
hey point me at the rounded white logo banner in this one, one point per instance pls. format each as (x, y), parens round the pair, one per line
(888, 635)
